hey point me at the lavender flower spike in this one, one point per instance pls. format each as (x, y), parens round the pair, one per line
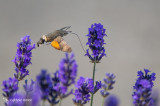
(112, 100)
(10, 87)
(67, 74)
(96, 42)
(17, 100)
(44, 83)
(82, 93)
(143, 89)
(23, 57)
(53, 95)
(108, 84)
(33, 93)
(32, 96)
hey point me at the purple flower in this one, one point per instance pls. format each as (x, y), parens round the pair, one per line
(67, 74)
(35, 97)
(68, 70)
(44, 83)
(97, 86)
(82, 93)
(32, 98)
(143, 88)
(85, 84)
(96, 42)
(53, 95)
(108, 84)
(16, 100)
(28, 88)
(33, 93)
(112, 100)
(10, 87)
(145, 83)
(23, 57)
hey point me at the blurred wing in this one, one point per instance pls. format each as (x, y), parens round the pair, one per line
(60, 44)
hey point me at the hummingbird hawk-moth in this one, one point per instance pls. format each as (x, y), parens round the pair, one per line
(56, 40)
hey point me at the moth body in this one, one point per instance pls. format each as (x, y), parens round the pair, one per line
(56, 40)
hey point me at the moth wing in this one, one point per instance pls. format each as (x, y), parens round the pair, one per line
(51, 36)
(60, 44)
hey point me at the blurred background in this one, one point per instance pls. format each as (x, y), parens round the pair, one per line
(133, 42)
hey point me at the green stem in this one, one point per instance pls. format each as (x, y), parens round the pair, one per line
(103, 102)
(94, 67)
(60, 102)
(43, 103)
(51, 105)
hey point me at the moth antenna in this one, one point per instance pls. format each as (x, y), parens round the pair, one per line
(79, 41)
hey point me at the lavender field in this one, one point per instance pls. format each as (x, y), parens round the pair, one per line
(119, 65)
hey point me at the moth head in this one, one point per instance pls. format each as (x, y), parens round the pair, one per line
(41, 41)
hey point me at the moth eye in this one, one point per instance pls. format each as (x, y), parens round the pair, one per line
(55, 44)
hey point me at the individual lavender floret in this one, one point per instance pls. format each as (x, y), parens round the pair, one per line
(23, 57)
(143, 89)
(112, 100)
(96, 42)
(45, 84)
(108, 84)
(82, 93)
(97, 86)
(52, 97)
(67, 74)
(10, 87)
